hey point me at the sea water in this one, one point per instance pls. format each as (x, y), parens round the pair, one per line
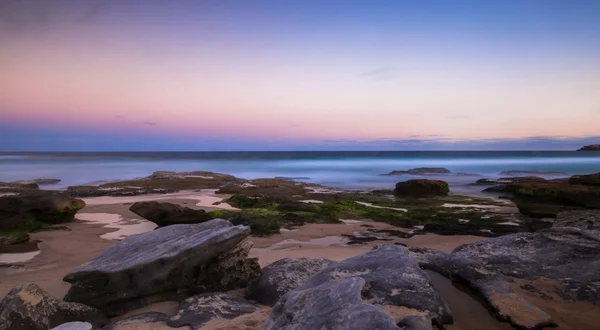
(350, 170)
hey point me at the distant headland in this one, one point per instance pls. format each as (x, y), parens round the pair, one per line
(591, 147)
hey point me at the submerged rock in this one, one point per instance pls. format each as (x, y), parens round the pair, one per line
(422, 188)
(331, 305)
(44, 206)
(28, 307)
(570, 256)
(168, 263)
(164, 214)
(282, 276)
(198, 310)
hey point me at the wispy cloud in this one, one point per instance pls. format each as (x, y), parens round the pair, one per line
(149, 123)
(381, 73)
(458, 117)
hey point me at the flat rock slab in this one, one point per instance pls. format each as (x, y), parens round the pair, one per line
(28, 307)
(198, 310)
(331, 305)
(74, 326)
(568, 255)
(283, 276)
(169, 263)
(393, 278)
(138, 320)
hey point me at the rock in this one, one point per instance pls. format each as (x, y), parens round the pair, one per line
(591, 147)
(584, 219)
(533, 172)
(422, 188)
(570, 256)
(44, 206)
(164, 214)
(74, 326)
(586, 180)
(282, 276)
(392, 277)
(423, 171)
(171, 262)
(98, 191)
(292, 178)
(540, 210)
(331, 305)
(40, 182)
(509, 180)
(133, 321)
(28, 307)
(197, 310)
(15, 188)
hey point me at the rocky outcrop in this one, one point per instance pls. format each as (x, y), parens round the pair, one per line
(44, 206)
(16, 188)
(331, 305)
(422, 171)
(98, 191)
(570, 256)
(386, 278)
(139, 320)
(40, 182)
(533, 173)
(584, 219)
(164, 214)
(591, 147)
(198, 310)
(282, 276)
(586, 180)
(28, 307)
(172, 262)
(422, 188)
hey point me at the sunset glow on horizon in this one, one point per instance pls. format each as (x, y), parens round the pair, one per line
(302, 72)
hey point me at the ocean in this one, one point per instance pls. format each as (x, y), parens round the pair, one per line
(349, 170)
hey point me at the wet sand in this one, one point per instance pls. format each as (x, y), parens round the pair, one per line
(61, 251)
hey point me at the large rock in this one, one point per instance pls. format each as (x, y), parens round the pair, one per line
(422, 171)
(392, 277)
(331, 305)
(422, 188)
(586, 180)
(283, 276)
(168, 263)
(591, 147)
(570, 256)
(28, 307)
(198, 310)
(584, 219)
(44, 206)
(164, 214)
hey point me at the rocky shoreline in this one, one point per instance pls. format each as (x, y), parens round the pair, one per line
(197, 256)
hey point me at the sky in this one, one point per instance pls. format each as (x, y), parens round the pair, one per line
(298, 75)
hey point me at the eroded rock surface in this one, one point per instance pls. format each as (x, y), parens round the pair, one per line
(283, 276)
(330, 305)
(168, 263)
(28, 307)
(570, 256)
(139, 320)
(164, 214)
(586, 219)
(198, 310)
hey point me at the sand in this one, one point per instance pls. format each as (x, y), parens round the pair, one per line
(108, 219)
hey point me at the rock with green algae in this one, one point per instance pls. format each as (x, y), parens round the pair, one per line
(44, 206)
(165, 214)
(422, 187)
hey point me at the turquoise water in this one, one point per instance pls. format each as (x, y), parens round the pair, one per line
(339, 169)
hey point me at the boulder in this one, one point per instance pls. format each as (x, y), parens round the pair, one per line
(422, 188)
(570, 256)
(591, 147)
(198, 310)
(139, 319)
(391, 277)
(28, 307)
(583, 219)
(165, 214)
(169, 263)
(331, 305)
(586, 180)
(74, 326)
(44, 206)
(422, 171)
(40, 182)
(533, 172)
(15, 188)
(282, 276)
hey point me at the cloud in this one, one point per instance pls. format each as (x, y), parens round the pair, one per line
(458, 117)
(381, 73)
(149, 123)
(118, 117)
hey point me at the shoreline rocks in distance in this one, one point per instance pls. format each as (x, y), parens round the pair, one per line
(171, 262)
(40, 182)
(591, 147)
(533, 173)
